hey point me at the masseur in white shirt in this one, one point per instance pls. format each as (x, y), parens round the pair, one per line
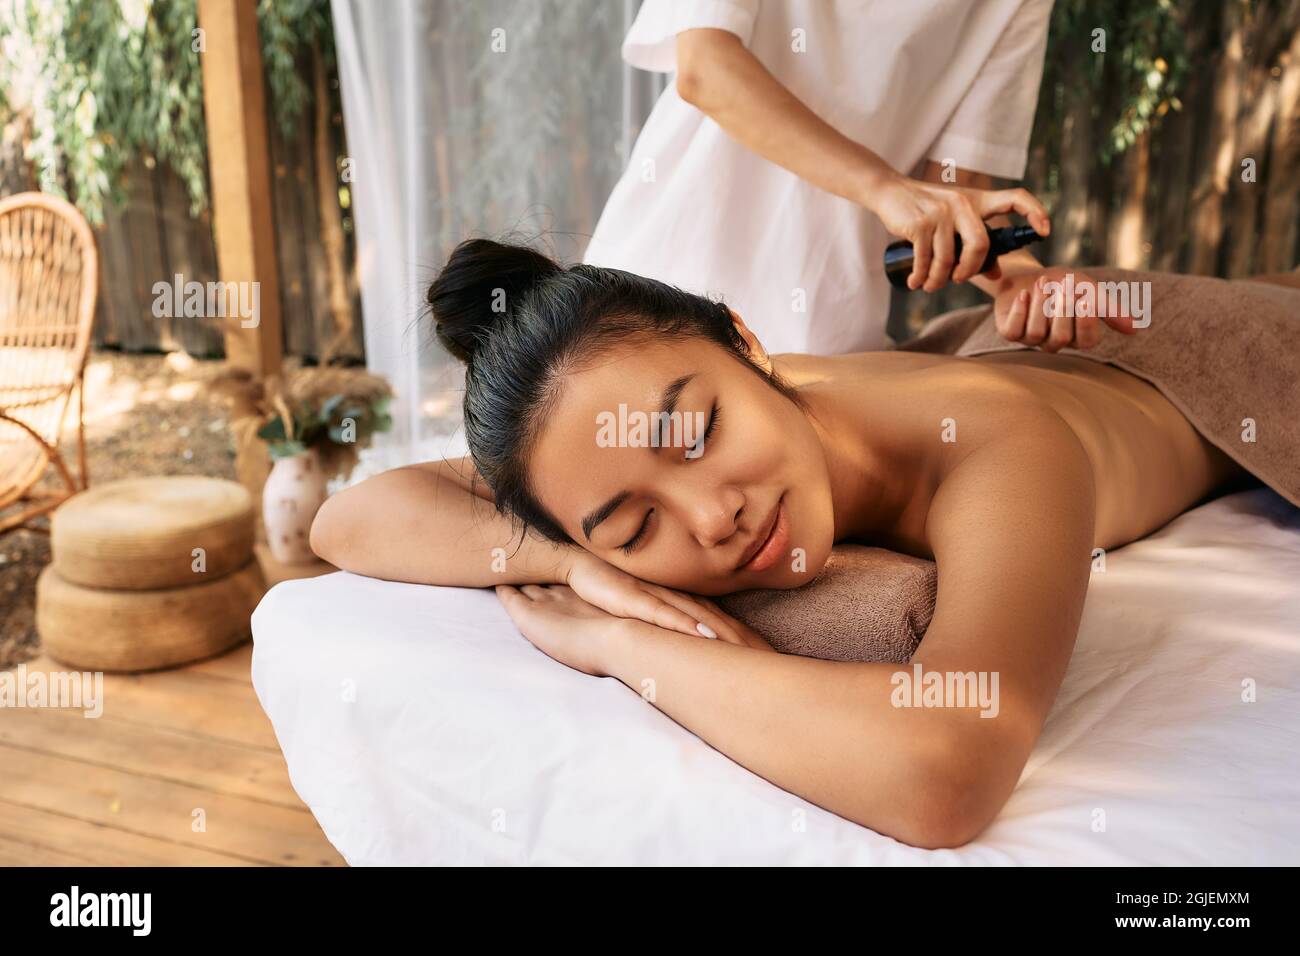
(800, 134)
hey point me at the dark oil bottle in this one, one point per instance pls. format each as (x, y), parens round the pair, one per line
(899, 259)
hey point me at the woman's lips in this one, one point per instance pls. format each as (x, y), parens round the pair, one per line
(774, 545)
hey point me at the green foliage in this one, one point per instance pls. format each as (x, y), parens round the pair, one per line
(313, 427)
(105, 82)
(285, 27)
(1130, 85)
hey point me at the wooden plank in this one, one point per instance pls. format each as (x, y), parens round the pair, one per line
(14, 853)
(43, 832)
(193, 704)
(293, 252)
(164, 810)
(140, 329)
(238, 161)
(316, 276)
(238, 157)
(236, 664)
(184, 240)
(114, 300)
(215, 765)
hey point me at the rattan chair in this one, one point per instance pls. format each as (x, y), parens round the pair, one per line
(48, 282)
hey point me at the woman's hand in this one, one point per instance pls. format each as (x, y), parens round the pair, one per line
(928, 214)
(563, 626)
(622, 595)
(1029, 310)
(568, 629)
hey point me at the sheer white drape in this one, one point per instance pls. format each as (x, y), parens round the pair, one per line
(471, 118)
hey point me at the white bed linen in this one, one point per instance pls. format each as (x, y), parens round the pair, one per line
(422, 728)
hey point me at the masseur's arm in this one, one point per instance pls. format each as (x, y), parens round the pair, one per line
(721, 78)
(1011, 527)
(431, 523)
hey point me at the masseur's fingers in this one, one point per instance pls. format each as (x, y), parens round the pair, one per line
(945, 252)
(1012, 325)
(1000, 201)
(921, 252)
(1087, 331)
(974, 240)
(1121, 323)
(1036, 327)
(1060, 331)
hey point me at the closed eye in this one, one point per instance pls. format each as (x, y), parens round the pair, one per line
(696, 450)
(637, 538)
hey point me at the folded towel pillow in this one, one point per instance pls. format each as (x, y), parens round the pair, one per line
(867, 604)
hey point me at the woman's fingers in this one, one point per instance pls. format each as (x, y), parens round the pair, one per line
(649, 606)
(712, 623)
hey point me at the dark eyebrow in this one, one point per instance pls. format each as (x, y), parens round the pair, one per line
(667, 405)
(604, 511)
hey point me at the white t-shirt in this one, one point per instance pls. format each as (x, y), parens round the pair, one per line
(948, 80)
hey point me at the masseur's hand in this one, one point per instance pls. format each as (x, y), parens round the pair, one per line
(566, 628)
(1028, 309)
(928, 214)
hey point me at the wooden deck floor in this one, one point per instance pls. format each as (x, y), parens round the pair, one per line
(121, 789)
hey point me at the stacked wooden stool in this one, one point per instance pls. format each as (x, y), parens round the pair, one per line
(149, 573)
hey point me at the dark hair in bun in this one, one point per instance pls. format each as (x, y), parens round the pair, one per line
(480, 282)
(521, 322)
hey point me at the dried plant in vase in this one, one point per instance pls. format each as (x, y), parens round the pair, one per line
(314, 422)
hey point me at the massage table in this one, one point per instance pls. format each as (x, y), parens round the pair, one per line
(420, 727)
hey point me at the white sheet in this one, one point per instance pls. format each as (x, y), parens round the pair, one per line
(422, 728)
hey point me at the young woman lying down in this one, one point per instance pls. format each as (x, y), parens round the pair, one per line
(1007, 470)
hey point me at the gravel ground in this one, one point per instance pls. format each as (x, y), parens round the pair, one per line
(145, 415)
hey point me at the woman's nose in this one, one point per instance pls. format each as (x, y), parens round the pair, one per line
(713, 516)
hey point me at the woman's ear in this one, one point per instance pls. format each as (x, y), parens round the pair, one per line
(757, 354)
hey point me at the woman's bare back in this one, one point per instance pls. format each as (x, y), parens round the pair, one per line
(1149, 463)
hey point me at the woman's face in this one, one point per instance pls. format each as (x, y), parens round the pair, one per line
(731, 492)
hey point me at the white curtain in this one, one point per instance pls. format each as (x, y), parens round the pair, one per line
(471, 118)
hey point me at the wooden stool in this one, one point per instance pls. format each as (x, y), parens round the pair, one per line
(149, 573)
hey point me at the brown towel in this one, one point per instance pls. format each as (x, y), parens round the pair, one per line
(867, 604)
(1220, 351)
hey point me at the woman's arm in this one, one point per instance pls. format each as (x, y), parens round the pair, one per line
(432, 523)
(1011, 528)
(724, 80)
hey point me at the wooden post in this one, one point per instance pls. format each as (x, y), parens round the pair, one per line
(239, 164)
